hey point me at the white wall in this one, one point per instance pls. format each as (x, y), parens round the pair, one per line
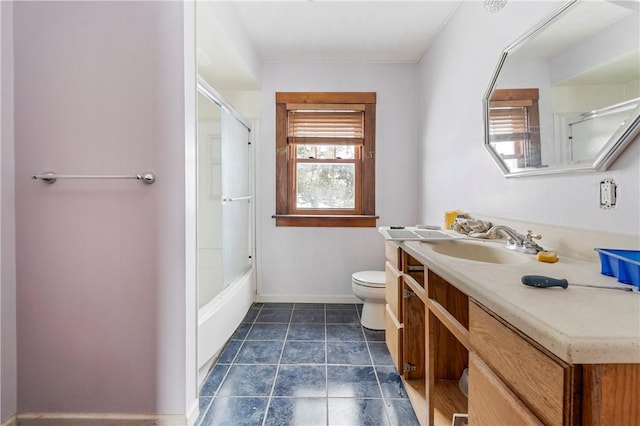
(318, 262)
(235, 63)
(101, 301)
(457, 172)
(8, 378)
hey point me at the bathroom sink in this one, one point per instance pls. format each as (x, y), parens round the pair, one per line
(479, 252)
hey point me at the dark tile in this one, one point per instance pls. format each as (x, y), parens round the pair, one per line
(274, 316)
(229, 352)
(401, 412)
(306, 332)
(257, 305)
(342, 316)
(241, 332)
(380, 354)
(301, 381)
(297, 412)
(359, 309)
(277, 305)
(347, 306)
(236, 412)
(248, 380)
(314, 316)
(373, 335)
(299, 306)
(303, 353)
(348, 381)
(348, 353)
(260, 352)
(344, 333)
(203, 406)
(213, 380)
(390, 382)
(251, 315)
(357, 412)
(267, 332)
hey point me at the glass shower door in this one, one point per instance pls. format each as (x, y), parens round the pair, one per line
(236, 199)
(226, 284)
(209, 205)
(224, 199)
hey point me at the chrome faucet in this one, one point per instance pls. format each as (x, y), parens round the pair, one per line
(518, 242)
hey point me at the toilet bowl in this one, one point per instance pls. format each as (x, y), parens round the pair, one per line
(369, 286)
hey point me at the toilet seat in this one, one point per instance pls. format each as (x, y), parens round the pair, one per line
(374, 279)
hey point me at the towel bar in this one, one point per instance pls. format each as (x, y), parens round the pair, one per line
(229, 199)
(51, 177)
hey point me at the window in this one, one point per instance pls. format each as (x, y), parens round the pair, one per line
(325, 159)
(514, 126)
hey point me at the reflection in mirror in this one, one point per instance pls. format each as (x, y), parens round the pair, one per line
(566, 96)
(514, 127)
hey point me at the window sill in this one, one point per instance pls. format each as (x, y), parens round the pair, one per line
(335, 221)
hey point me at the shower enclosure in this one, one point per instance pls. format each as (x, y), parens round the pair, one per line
(224, 220)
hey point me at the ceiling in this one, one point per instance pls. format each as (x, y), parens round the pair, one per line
(362, 31)
(343, 31)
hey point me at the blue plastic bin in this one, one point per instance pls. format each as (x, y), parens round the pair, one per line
(622, 264)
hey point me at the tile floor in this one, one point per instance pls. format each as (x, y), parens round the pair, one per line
(304, 364)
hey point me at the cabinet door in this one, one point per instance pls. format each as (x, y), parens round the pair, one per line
(393, 289)
(392, 253)
(491, 402)
(534, 376)
(393, 338)
(413, 350)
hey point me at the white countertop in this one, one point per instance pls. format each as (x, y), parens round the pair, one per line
(579, 325)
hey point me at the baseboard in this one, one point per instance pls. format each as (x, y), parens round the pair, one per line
(321, 298)
(194, 412)
(97, 419)
(11, 421)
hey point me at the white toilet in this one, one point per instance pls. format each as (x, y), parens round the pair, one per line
(369, 286)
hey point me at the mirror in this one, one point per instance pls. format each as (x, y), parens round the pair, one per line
(565, 97)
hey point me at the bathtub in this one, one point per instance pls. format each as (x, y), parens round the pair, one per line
(218, 319)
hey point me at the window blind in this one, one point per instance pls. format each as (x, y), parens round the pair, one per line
(323, 126)
(508, 124)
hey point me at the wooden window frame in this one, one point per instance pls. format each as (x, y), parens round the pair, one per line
(286, 213)
(357, 162)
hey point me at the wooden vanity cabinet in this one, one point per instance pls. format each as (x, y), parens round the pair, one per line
(435, 331)
(431, 330)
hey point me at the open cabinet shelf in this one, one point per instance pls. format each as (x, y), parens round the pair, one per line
(447, 400)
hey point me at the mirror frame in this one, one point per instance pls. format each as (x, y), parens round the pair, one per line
(607, 155)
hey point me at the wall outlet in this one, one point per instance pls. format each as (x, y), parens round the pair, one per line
(608, 194)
